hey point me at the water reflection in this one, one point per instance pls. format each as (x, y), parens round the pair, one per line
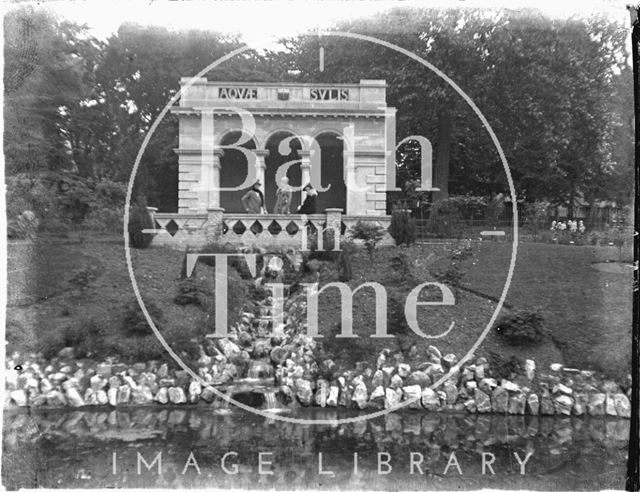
(76, 449)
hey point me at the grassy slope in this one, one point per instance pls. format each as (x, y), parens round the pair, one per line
(44, 304)
(470, 314)
(588, 311)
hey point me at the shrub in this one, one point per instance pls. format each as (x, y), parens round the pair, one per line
(87, 339)
(193, 292)
(29, 193)
(139, 220)
(370, 234)
(535, 216)
(345, 262)
(75, 197)
(143, 349)
(148, 347)
(523, 328)
(184, 343)
(403, 228)
(110, 194)
(328, 243)
(400, 271)
(494, 210)
(215, 248)
(447, 217)
(618, 234)
(135, 323)
(503, 367)
(105, 220)
(107, 210)
(59, 199)
(594, 238)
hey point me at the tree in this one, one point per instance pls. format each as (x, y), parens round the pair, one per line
(556, 92)
(138, 73)
(42, 76)
(543, 84)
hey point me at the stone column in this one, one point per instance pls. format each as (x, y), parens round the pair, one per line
(214, 192)
(213, 226)
(305, 170)
(261, 166)
(349, 174)
(207, 160)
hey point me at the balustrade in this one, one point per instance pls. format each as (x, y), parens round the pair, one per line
(261, 230)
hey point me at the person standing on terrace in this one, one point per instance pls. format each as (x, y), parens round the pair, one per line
(310, 205)
(253, 200)
(283, 197)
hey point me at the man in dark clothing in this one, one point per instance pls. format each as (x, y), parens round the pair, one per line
(310, 205)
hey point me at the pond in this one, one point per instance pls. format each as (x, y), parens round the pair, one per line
(223, 449)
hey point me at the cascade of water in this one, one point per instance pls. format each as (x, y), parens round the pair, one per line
(254, 371)
(270, 401)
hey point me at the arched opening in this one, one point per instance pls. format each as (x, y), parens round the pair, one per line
(332, 165)
(274, 160)
(233, 171)
(409, 154)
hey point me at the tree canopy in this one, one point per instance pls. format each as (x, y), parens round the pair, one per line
(555, 91)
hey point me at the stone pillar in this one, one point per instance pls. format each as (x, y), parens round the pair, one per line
(334, 221)
(349, 173)
(207, 160)
(214, 192)
(305, 170)
(213, 226)
(261, 166)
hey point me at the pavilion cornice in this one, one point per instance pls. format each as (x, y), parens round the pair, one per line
(280, 113)
(220, 152)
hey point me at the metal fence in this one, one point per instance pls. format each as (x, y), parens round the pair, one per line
(596, 232)
(462, 229)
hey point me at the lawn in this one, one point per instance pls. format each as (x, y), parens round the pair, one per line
(587, 309)
(59, 291)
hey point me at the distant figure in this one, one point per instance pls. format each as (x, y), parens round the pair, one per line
(310, 205)
(283, 197)
(253, 200)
